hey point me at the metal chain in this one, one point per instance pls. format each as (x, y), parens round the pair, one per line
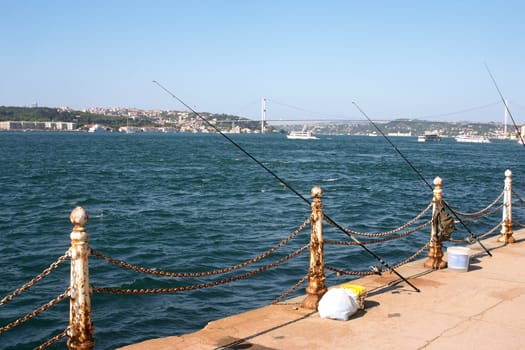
(411, 258)
(200, 274)
(123, 264)
(401, 235)
(52, 341)
(471, 239)
(32, 314)
(482, 210)
(517, 195)
(37, 278)
(467, 239)
(291, 290)
(469, 217)
(340, 272)
(488, 233)
(386, 233)
(202, 285)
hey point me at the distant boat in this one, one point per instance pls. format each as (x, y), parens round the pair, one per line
(301, 135)
(428, 138)
(97, 128)
(472, 139)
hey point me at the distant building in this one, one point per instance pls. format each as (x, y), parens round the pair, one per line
(27, 125)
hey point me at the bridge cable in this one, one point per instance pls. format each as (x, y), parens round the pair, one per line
(471, 235)
(279, 179)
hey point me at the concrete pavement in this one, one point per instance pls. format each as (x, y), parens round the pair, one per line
(483, 308)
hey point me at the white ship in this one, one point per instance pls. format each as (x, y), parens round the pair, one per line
(97, 128)
(472, 139)
(428, 138)
(301, 135)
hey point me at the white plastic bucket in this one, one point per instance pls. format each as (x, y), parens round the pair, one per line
(458, 258)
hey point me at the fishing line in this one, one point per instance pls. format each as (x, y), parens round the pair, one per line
(506, 106)
(279, 179)
(472, 236)
(235, 144)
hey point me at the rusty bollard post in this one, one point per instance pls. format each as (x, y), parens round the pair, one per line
(316, 287)
(435, 252)
(81, 328)
(506, 222)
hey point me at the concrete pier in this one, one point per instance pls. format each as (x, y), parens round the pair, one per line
(483, 308)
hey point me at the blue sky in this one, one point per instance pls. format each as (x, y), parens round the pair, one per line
(310, 59)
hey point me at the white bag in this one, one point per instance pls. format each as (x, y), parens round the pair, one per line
(337, 304)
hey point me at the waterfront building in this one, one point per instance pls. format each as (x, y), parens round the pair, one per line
(29, 125)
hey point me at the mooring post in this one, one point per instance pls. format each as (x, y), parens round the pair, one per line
(81, 328)
(506, 222)
(435, 252)
(316, 286)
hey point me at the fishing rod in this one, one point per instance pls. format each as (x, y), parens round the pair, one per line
(279, 179)
(506, 106)
(234, 143)
(472, 236)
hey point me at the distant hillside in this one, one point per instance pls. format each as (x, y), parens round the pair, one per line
(407, 126)
(188, 120)
(113, 120)
(37, 114)
(419, 127)
(44, 114)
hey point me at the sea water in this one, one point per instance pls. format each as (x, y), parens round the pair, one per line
(195, 202)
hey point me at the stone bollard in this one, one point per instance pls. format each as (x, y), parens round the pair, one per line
(316, 287)
(506, 222)
(435, 252)
(80, 331)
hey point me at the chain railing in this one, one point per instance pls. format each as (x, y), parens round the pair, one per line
(53, 340)
(375, 270)
(519, 203)
(157, 272)
(200, 285)
(387, 233)
(17, 292)
(518, 197)
(80, 329)
(35, 312)
(34, 280)
(375, 241)
(488, 210)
